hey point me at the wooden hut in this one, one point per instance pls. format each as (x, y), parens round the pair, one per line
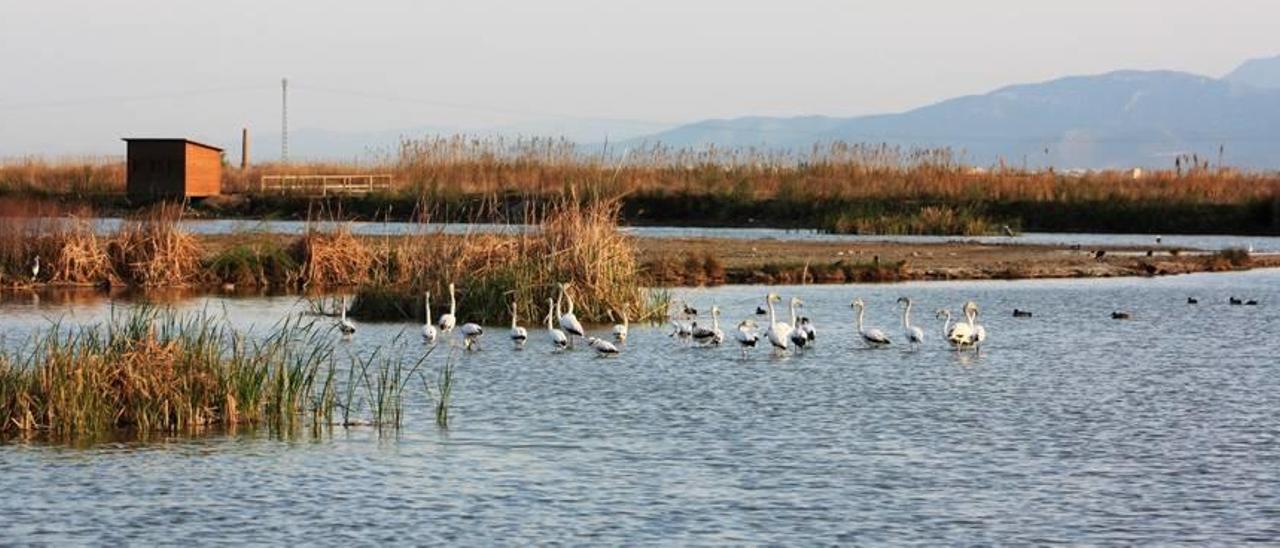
(172, 169)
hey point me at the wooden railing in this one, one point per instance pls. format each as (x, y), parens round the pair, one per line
(323, 185)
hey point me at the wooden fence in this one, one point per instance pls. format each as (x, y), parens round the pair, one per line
(323, 185)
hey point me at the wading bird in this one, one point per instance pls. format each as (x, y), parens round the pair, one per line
(518, 334)
(602, 347)
(449, 320)
(344, 325)
(958, 335)
(914, 334)
(778, 333)
(569, 321)
(558, 339)
(620, 331)
(799, 334)
(471, 333)
(979, 332)
(35, 269)
(874, 337)
(746, 335)
(429, 332)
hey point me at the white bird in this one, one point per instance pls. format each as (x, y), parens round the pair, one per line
(620, 331)
(800, 334)
(344, 325)
(518, 334)
(471, 333)
(979, 332)
(568, 321)
(602, 347)
(914, 334)
(35, 269)
(713, 336)
(448, 321)
(746, 335)
(873, 336)
(429, 332)
(959, 335)
(778, 333)
(558, 339)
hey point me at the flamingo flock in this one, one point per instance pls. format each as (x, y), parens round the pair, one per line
(795, 333)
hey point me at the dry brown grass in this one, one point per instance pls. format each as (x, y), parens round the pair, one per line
(153, 250)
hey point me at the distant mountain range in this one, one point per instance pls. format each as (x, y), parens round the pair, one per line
(1119, 119)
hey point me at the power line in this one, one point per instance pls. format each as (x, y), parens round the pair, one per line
(107, 99)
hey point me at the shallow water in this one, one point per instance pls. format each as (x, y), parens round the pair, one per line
(1069, 427)
(1207, 242)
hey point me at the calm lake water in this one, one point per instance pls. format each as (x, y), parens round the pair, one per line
(1069, 427)
(1208, 242)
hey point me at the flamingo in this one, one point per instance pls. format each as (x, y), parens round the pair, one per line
(471, 333)
(448, 321)
(779, 333)
(799, 335)
(602, 347)
(429, 332)
(35, 269)
(746, 335)
(344, 325)
(979, 332)
(620, 331)
(713, 336)
(873, 336)
(558, 339)
(569, 321)
(914, 334)
(959, 335)
(518, 334)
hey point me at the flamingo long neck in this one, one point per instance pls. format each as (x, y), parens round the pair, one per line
(513, 315)
(715, 320)
(793, 313)
(426, 301)
(625, 323)
(569, 297)
(773, 320)
(453, 304)
(906, 316)
(344, 308)
(946, 323)
(550, 326)
(971, 314)
(861, 309)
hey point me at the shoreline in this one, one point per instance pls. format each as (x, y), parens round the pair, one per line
(692, 262)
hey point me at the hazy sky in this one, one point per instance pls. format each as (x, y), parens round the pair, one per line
(77, 75)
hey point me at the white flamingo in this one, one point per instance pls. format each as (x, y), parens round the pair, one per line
(959, 335)
(779, 333)
(873, 336)
(344, 325)
(800, 334)
(569, 321)
(620, 331)
(979, 332)
(429, 332)
(559, 340)
(602, 347)
(746, 335)
(471, 333)
(914, 334)
(449, 320)
(518, 334)
(713, 336)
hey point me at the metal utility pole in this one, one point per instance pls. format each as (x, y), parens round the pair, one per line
(284, 120)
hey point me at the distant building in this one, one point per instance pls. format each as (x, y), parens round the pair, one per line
(172, 168)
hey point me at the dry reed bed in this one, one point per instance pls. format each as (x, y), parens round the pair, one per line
(844, 171)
